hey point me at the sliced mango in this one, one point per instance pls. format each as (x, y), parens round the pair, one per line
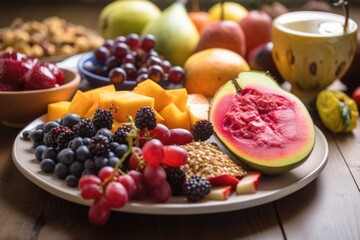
(80, 103)
(152, 89)
(57, 110)
(174, 118)
(129, 103)
(179, 97)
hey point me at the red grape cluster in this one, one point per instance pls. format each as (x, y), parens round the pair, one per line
(133, 58)
(158, 150)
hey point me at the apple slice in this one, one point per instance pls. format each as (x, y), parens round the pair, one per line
(218, 193)
(249, 183)
(224, 180)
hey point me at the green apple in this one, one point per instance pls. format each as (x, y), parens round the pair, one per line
(124, 17)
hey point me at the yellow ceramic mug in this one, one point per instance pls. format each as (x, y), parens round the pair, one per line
(311, 50)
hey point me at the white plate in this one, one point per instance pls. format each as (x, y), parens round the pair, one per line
(270, 187)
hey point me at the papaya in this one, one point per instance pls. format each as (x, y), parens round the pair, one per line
(264, 126)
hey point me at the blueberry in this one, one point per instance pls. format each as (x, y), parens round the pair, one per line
(113, 146)
(45, 139)
(100, 161)
(38, 152)
(47, 165)
(36, 144)
(89, 164)
(105, 132)
(70, 120)
(49, 125)
(113, 161)
(49, 152)
(40, 126)
(71, 181)
(110, 154)
(86, 141)
(26, 135)
(61, 170)
(66, 156)
(121, 150)
(82, 153)
(37, 135)
(76, 168)
(75, 143)
(88, 171)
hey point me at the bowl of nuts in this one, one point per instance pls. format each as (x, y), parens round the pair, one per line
(51, 39)
(127, 60)
(28, 85)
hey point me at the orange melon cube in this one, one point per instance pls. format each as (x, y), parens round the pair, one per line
(179, 97)
(159, 118)
(129, 103)
(174, 118)
(198, 107)
(80, 103)
(57, 110)
(106, 99)
(94, 94)
(152, 89)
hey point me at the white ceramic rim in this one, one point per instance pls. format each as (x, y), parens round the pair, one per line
(305, 15)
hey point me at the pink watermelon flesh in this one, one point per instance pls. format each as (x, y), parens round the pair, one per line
(263, 128)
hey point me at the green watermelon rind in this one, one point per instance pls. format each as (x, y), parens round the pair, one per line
(277, 164)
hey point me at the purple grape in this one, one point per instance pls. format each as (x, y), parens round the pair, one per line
(121, 50)
(117, 75)
(156, 73)
(147, 42)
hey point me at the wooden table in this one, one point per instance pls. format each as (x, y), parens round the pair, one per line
(327, 208)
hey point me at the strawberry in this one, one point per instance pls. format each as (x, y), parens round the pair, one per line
(224, 180)
(8, 87)
(39, 77)
(58, 73)
(12, 71)
(356, 96)
(14, 56)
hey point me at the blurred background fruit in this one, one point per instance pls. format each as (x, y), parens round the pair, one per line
(176, 34)
(200, 19)
(257, 28)
(123, 17)
(274, 9)
(260, 59)
(232, 11)
(223, 34)
(207, 70)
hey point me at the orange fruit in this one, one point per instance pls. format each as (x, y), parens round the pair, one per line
(200, 19)
(209, 69)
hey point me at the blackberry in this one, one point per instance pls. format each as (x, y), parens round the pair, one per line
(145, 118)
(64, 139)
(103, 119)
(196, 188)
(54, 133)
(99, 145)
(85, 128)
(176, 178)
(202, 130)
(120, 134)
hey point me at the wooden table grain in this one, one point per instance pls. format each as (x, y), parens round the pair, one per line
(327, 208)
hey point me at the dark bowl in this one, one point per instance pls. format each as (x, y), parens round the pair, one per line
(99, 81)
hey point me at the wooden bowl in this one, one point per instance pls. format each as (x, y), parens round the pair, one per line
(18, 108)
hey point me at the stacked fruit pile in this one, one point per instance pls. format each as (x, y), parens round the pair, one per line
(141, 159)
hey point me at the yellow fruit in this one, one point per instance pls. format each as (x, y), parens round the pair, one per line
(179, 97)
(80, 103)
(232, 11)
(337, 111)
(198, 107)
(209, 69)
(57, 110)
(174, 118)
(151, 89)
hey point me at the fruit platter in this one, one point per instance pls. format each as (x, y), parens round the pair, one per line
(176, 120)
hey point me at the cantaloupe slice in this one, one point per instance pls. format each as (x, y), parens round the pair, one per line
(152, 89)
(57, 110)
(129, 103)
(106, 99)
(198, 107)
(80, 103)
(179, 97)
(174, 118)
(94, 94)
